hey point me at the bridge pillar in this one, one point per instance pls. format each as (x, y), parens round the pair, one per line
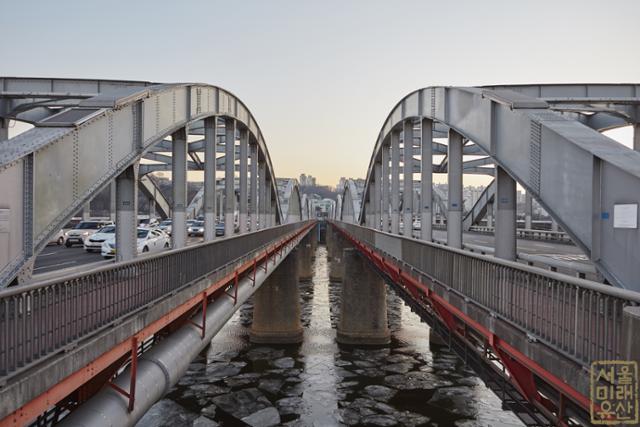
(367, 210)
(269, 202)
(505, 234)
(407, 194)
(528, 210)
(630, 332)
(179, 178)
(336, 267)
(377, 195)
(306, 258)
(276, 306)
(636, 137)
(210, 128)
(426, 179)
(112, 200)
(554, 225)
(244, 172)
(273, 208)
(229, 176)
(253, 196)
(363, 307)
(454, 168)
(385, 187)
(126, 214)
(395, 182)
(489, 214)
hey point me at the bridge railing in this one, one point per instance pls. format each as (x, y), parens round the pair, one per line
(42, 318)
(579, 318)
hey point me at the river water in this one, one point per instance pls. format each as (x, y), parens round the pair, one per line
(318, 383)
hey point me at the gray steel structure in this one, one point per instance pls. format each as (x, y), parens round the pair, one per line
(545, 137)
(87, 133)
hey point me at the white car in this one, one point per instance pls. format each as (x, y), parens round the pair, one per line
(148, 241)
(57, 239)
(84, 229)
(196, 229)
(95, 241)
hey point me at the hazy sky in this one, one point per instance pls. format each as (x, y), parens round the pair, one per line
(320, 77)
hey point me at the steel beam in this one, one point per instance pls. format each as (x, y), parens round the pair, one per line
(253, 195)
(377, 196)
(505, 235)
(426, 179)
(210, 126)
(395, 182)
(112, 200)
(407, 193)
(262, 200)
(385, 188)
(636, 136)
(179, 178)
(126, 214)
(244, 171)
(4, 129)
(229, 176)
(528, 210)
(454, 214)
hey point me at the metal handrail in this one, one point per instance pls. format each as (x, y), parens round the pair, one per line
(578, 317)
(38, 319)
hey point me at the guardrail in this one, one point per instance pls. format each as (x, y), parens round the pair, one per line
(579, 318)
(42, 318)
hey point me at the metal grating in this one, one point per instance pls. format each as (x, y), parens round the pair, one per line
(535, 156)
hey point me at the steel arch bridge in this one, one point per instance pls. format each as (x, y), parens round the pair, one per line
(545, 137)
(88, 132)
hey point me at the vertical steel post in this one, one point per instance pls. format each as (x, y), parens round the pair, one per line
(86, 211)
(4, 129)
(636, 137)
(385, 187)
(407, 194)
(126, 213)
(179, 178)
(210, 129)
(244, 172)
(528, 210)
(112, 200)
(426, 179)
(505, 235)
(489, 214)
(268, 200)
(454, 169)
(262, 198)
(395, 182)
(377, 171)
(229, 176)
(253, 216)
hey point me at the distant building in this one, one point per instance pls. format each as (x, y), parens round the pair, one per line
(307, 180)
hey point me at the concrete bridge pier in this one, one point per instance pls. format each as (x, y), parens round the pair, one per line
(336, 266)
(276, 306)
(363, 308)
(306, 257)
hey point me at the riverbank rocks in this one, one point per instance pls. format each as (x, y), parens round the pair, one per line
(379, 392)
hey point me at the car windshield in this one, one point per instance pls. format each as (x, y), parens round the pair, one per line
(165, 223)
(198, 223)
(88, 225)
(108, 229)
(142, 234)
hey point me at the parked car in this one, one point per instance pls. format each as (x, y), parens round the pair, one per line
(220, 229)
(166, 226)
(57, 239)
(94, 242)
(148, 223)
(84, 229)
(196, 229)
(149, 240)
